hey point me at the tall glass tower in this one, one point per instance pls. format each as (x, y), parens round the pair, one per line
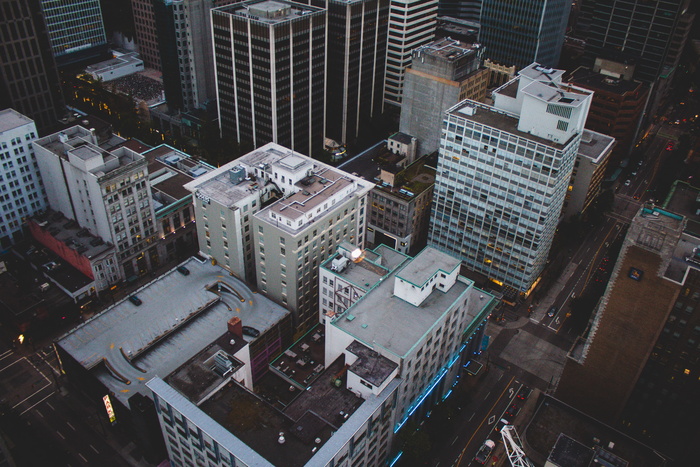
(76, 30)
(521, 32)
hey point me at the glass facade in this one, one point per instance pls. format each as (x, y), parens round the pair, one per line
(522, 32)
(74, 26)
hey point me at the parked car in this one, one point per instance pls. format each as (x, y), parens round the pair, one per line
(484, 452)
(552, 311)
(250, 331)
(512, 411)
(669, 146)
(183, 270)
(135, 300)
(628, 182)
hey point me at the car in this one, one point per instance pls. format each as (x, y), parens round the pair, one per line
(552, 311)
(524, 393)
(513, 411)
(183, 270)
(634, 174)
(669, 146)
(135, 300)
(250, 331)
(484, 452)
(628, 182)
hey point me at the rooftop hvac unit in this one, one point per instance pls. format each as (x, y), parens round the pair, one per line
(339, 264)
(237, 174)
(222, 363)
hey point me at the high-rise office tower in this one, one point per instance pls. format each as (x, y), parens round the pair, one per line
(184, 40)
(503, 173)
(646, 33)
(411, 25)
(269, 57)
(355, 67)
(76, 30)
(469, 10)
(519, 33)
(29, 81)
(442, 74)
(21, 192)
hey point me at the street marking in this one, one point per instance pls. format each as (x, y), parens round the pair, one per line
(72, 427)
(51, 406)
(40, 414)
(492, 419)
(8, 366)
(31, 395)
(94, 449)
(60, 434)
(454, 441)
(470, 418)
(459, 460)
(81, 456)
(487, 395)
(499, 377)
(42, 400)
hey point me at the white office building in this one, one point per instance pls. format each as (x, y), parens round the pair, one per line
(21, 191)
(411, 25)
(105, 189)
(503, 174)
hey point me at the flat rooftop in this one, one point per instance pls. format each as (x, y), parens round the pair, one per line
(490, 116)
(537, 72)
(126, 345)
(269, 11)
(169, 170)
(684, 199)
(69, 232)
(588, 78)
(595, 145)
(11, 119)
(376, 265)
(553, 417)
(448, 49)
(425, 264)
(380, 318)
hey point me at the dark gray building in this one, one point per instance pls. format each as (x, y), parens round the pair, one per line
(270, 77)
(648, 34)
(519, 33)
(29, 80)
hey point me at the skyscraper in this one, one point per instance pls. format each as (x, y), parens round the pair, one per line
(503, 174)
(355, 69)
(411, 25)
(22, 193)
(76, 30)
(637, 30)
(519, 33)
(269, 58)
(463, 9)
(29, 80)
(146, 33)
(184, 40)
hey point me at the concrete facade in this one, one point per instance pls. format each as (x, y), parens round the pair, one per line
(21, 191)
(503, 174)
(441, 74)
(104, 191)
